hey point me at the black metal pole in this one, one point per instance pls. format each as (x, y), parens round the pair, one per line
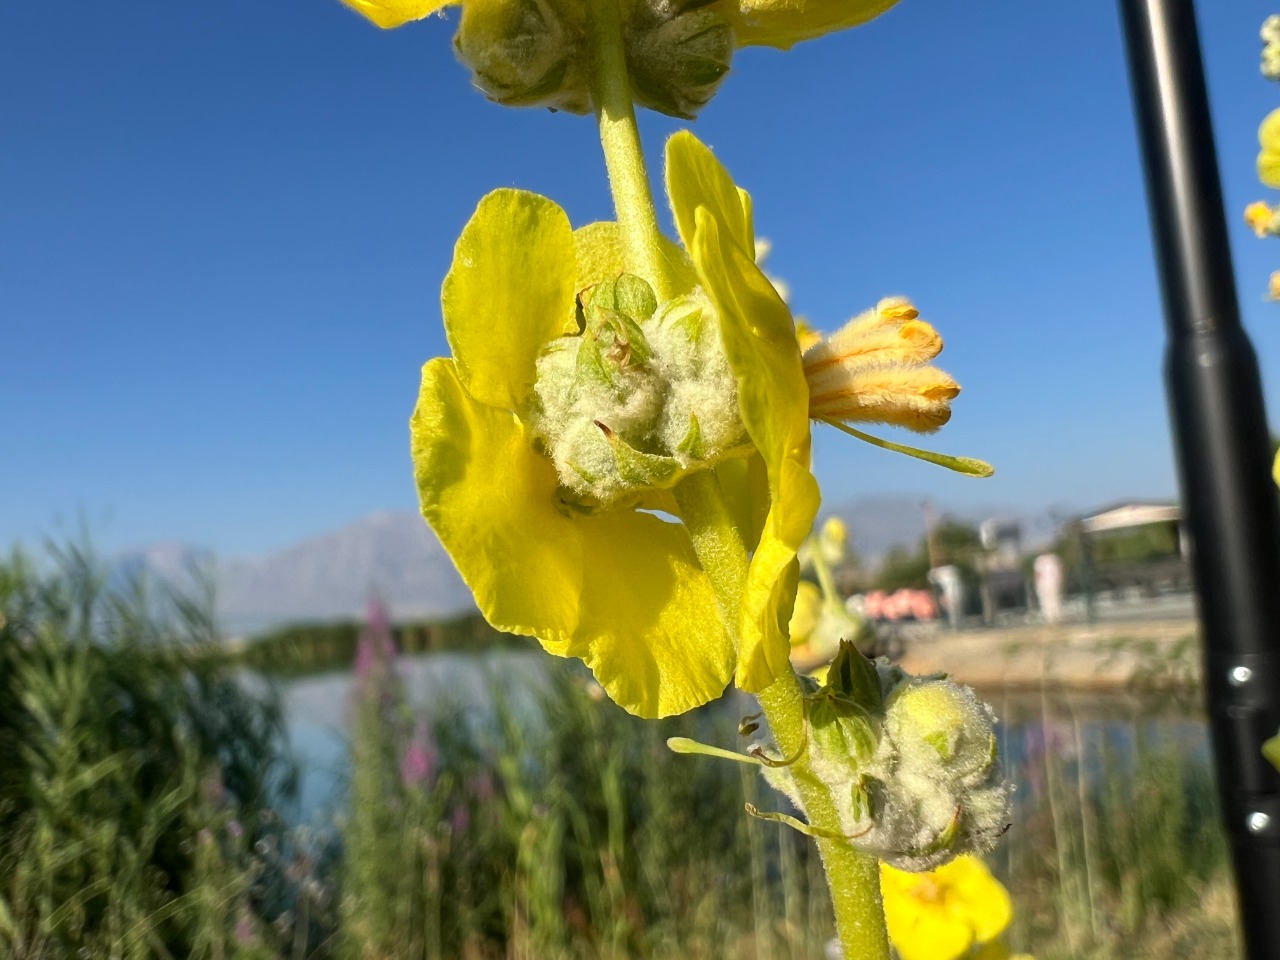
(1223, 447)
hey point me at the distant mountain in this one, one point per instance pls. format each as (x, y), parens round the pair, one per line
(331, 576)
(327, 577)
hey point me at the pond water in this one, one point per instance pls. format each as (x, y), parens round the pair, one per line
(1083, 736)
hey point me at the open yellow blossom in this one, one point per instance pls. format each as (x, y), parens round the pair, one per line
(621, 589)
(714, 219)
(1269, 156)
(942, 914)
(602, 577)
(612, 584)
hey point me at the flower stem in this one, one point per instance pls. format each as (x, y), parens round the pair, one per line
(623, 154)
(853, 878)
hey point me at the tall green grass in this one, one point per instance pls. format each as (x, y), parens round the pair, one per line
(135, 778)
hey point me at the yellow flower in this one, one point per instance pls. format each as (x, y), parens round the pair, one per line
(941, 914)
(606, 580)
(1258, 216)
(619, 588)
(1269, 157)
(394, 13)
(783, 23)
(806, 613)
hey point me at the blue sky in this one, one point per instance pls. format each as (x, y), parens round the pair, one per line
(223, 229)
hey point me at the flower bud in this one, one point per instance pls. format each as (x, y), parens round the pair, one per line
(641, 396)
(677, 55)
(942, 726)
(522, 53)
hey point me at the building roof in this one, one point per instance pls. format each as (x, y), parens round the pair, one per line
(1131, 513)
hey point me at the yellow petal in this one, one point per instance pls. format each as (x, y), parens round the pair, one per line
(1269, 158)
(760, 341)
(922, 932)
(620, 589)
(601, 257)
(807, 612)
(695, 178)
(782, 23)
(509, 291)
(394, 13)
(978, 896)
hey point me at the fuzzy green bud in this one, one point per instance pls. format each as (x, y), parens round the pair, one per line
(527, 53)
(910, 763)
(523, 53)
(640, 397)
(677, 55)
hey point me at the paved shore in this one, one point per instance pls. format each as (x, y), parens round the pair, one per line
(1152, 654)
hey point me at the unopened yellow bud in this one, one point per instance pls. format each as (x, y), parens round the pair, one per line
(1274, 291)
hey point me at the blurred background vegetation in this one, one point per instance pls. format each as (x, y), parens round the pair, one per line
(146, 807)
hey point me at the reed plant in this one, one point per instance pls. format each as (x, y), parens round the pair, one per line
(136, 776)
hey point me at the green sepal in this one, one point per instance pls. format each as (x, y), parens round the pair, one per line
(685, 315)
(611, 319)
(855, 677)
(842, 730)
(860, 795)
(640, 469)
(628, 295)
(945, 839)
(790, 821)
(686, 746)
(968, 466)
(692, 445)
(942, 741)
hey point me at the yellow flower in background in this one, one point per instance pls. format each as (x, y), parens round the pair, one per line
(805, 613)
(1258, 216)
(1269, 156)
(942, 914)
